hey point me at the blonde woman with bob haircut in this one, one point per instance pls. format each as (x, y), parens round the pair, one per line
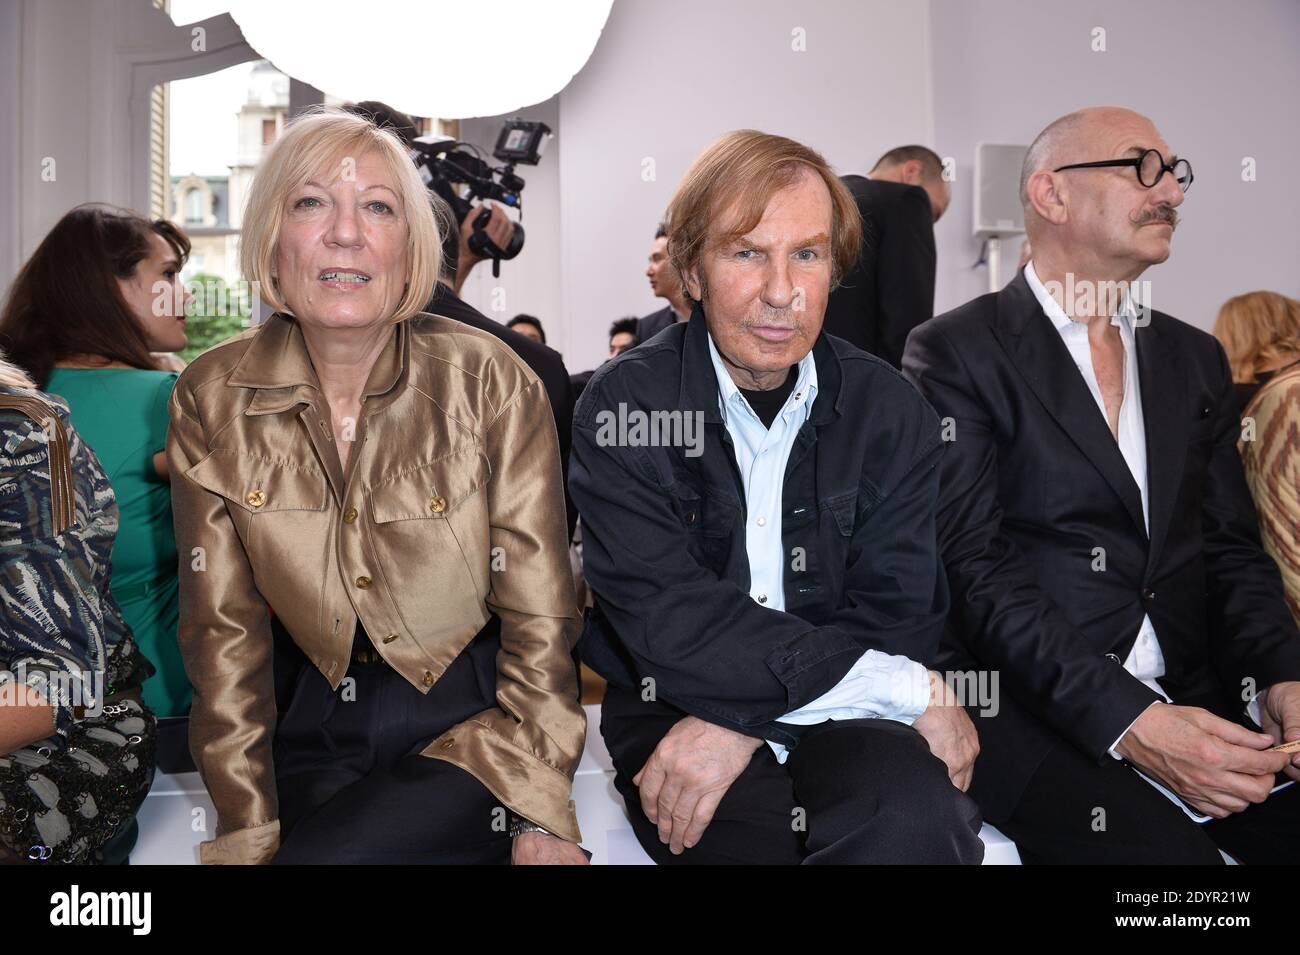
(1260, 331)
(387, 483)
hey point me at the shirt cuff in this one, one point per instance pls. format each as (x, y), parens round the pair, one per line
(254, 845)
(1252, 708)
(1129, 727)
(779, 751)
(878, 686)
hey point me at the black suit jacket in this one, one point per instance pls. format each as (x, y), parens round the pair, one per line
(648, 326)
(891, 290)
(664, 544)
(545, 362)
(1035, 492)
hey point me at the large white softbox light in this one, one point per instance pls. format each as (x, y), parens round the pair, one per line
(447, 58)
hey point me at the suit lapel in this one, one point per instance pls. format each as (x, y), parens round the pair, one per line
(1041, 358)
(1164, 382)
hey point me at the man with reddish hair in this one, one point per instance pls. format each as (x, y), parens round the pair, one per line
(758, 505)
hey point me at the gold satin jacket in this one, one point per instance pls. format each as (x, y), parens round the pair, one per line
(452, 508)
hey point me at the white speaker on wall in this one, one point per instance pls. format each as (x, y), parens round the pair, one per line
(997, 189)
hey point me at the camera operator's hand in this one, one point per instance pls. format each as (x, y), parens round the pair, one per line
(499, 229)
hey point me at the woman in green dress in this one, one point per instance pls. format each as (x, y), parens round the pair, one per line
(100, 294)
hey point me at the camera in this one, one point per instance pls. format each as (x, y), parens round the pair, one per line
(458, 173)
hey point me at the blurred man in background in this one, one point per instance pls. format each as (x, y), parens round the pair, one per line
(891, 290)
(529, 327)
(666, 284)
(622, 336)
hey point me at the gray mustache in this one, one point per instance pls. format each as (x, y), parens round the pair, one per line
(1160, 214)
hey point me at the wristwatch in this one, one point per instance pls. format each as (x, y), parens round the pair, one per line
(519, 825)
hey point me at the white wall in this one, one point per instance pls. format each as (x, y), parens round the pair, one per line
(669, 76)
(11, 24)
(51, 100)
(1220, 82)
(78, 77)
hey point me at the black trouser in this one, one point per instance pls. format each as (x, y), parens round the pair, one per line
(352, 784)
(852, 791)
(173, 750)
(1076, 812)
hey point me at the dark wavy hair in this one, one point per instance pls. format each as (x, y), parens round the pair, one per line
(66, 300)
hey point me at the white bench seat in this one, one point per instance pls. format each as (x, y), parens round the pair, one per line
(168, 836)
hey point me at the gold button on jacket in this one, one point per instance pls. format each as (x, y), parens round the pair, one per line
(455, 456)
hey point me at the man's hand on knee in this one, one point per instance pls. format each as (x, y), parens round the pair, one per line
(950, 733)
(1216, 766)
(687, 775)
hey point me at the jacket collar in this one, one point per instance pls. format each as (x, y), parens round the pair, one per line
(698, 389)
(1125, 316)
(277, 364)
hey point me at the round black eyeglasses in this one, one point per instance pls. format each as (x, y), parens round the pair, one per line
(1150, 167)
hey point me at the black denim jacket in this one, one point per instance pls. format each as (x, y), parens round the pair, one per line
(664, 534)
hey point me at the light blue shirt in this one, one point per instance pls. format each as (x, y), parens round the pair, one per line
(879, 685)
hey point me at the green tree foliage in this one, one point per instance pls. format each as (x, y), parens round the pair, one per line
(217, 313)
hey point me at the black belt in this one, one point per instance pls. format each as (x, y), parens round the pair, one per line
(363, 648)
(366, 655)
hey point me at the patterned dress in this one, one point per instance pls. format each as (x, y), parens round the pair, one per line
(1270, 453)
(63, 798)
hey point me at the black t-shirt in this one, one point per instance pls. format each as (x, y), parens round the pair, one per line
(768, 404)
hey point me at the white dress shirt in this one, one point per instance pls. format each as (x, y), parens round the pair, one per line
(879, 685)
(1145, 661)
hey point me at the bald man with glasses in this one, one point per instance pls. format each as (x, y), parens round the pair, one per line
(1099, 539)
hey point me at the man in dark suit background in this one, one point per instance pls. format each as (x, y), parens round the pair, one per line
(666, 284)
(891, 290)
(1100, 541)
